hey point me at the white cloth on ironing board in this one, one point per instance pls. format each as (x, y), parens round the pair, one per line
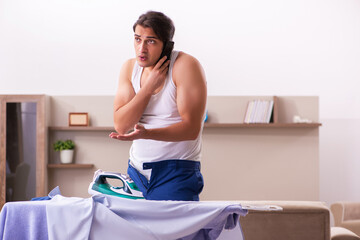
(108, 217)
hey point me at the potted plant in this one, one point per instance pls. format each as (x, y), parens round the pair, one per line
(66, 149)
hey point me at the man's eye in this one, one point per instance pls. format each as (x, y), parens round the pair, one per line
(151, 41)
(137, 39)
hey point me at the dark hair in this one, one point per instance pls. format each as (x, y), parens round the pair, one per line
(162, 25)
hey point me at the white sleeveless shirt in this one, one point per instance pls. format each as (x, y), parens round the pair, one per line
(161, 112)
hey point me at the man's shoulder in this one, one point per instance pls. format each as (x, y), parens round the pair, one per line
(128, 66)
(129, 63)
(186, 61)
(185, 58)
(187, 67)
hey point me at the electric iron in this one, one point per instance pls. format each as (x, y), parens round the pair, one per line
(100, 185)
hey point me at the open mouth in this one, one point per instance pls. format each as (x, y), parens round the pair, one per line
(142, 58)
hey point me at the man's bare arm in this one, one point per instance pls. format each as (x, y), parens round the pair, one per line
(128, 106)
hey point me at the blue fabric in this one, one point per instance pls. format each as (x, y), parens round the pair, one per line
(40, 198)
(26, 220)
(23, 221)
(53, 193)
(170, 180)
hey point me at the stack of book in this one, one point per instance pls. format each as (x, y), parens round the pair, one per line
(259, 111)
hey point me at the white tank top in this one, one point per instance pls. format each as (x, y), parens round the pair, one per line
(161, 112)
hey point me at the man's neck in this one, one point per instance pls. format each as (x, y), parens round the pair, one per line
(148, 69)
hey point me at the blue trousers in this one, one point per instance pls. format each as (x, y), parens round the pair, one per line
(170, 180)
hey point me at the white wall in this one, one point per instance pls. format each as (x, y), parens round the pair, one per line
(260, 47)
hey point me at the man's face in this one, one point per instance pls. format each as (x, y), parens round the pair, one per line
(148, 46)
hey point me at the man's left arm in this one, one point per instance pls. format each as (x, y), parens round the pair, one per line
(190, 82)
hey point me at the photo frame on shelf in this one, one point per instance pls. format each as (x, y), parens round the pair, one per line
(78, 119)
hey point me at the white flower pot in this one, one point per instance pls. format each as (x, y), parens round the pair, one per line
(66, 156)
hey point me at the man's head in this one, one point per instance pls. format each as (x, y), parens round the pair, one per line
(151, 31)
(162, 25)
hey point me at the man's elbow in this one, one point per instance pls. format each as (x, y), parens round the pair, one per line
(193, 137)
(194, 133)
(120, 129)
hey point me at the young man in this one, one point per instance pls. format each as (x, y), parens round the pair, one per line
(163, 102)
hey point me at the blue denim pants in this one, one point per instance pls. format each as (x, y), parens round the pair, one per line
(170, 180)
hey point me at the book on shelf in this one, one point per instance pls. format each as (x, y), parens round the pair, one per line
(259, 111)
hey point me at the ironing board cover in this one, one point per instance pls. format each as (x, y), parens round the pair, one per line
(103, 216)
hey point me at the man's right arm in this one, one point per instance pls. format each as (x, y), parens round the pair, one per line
(128, 105)
(127, 108)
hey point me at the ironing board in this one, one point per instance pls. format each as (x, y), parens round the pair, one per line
(108, 217)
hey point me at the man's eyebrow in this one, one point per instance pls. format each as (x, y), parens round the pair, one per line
(152, 37)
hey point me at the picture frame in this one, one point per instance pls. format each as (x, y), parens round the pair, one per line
(79, 119)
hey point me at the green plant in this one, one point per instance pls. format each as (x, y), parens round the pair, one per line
(64, 145)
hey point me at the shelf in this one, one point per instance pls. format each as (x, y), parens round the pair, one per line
(70, 166)
(206, 125)
(262, 125)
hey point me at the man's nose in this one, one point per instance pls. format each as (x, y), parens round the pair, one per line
(143, 47)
